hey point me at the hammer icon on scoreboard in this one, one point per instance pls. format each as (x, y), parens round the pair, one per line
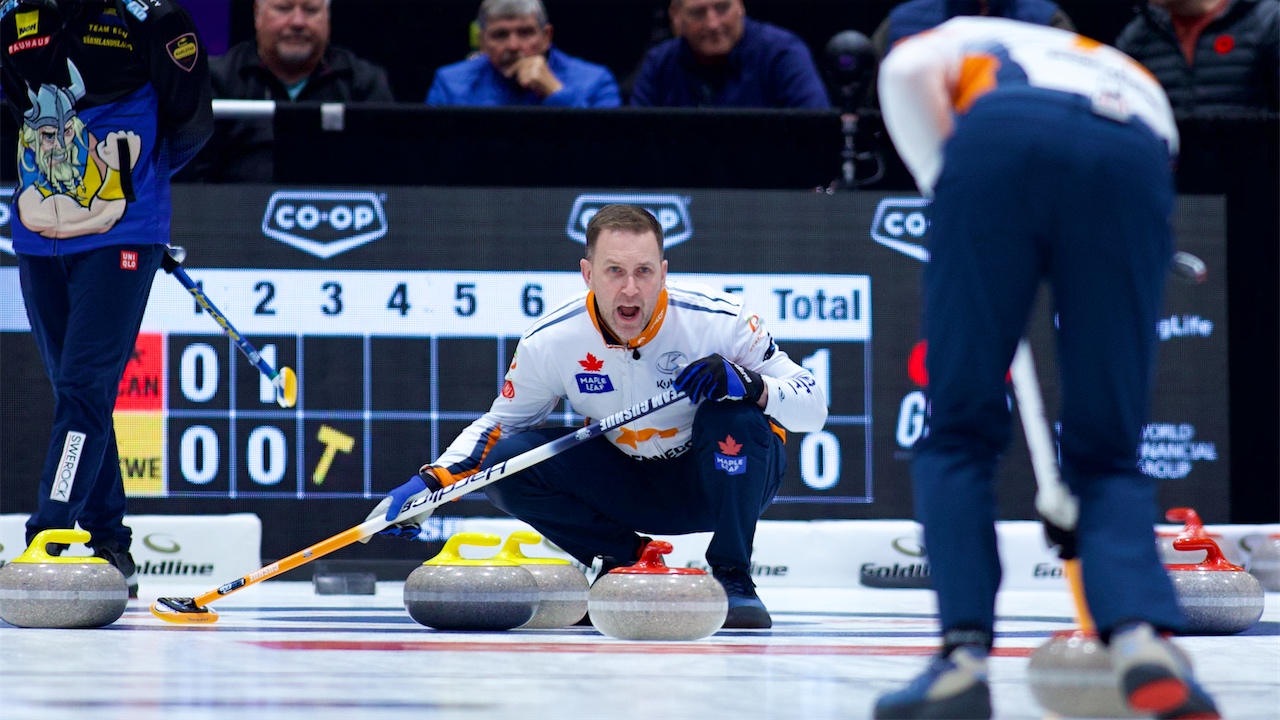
(335, 441)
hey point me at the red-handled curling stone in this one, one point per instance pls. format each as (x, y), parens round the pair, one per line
(1264, 563)
(1217, 597)
(1192, 527)
(1071, 676)
(650, 601)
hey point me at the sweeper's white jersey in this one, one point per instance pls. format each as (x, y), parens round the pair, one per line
(930, 77)
(565, 355)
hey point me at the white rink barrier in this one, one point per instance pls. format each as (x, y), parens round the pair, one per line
(200, 549)
(207, 549)
(849, 553)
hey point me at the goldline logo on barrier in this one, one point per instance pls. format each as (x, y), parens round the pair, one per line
(672, 212)
(162, 543)
(910, 547)
(324, 224)
(902, 224)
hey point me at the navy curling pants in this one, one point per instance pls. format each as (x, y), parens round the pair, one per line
(592, 500)
(1036, 186)
(85, 310)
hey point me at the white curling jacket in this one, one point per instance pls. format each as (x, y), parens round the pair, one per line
(930, 77)
(565, 355)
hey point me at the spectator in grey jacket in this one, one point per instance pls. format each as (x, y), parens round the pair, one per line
(1211, 56)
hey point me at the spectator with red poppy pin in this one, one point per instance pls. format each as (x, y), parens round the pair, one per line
(1211, 56)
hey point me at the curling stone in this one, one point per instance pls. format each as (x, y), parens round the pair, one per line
(650, 601)
(38, 590)
(1071, 675)
(450, 592)
(562, 588)
(1217, 597)
(1264, 563)
(1192, 526)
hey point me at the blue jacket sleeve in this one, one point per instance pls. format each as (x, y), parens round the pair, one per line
(438, 95)
(604, 92)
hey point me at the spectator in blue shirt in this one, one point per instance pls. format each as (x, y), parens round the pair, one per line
(722, 58)
(518, 65)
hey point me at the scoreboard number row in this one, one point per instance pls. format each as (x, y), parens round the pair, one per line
(476, 303)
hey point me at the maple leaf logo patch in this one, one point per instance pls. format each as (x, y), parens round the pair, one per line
(727, 459)
(593, 381)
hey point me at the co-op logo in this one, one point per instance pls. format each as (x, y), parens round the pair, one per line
(902, 224)
(6, 213)
(324, 224)
(672, 212)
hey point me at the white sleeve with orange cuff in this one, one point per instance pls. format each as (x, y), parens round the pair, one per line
(916, 81)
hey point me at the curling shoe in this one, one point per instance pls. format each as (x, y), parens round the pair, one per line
(746, 611)
(123, 561)
(1153, 680)
(953, 686)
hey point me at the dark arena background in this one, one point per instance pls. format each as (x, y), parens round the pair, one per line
(395, 258)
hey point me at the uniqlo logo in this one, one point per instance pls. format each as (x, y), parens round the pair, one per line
(128, 260)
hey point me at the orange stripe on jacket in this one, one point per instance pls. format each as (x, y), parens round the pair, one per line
(447, 478)
(977, 78)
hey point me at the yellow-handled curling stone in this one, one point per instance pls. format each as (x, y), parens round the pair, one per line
(562, 588)
(39, 590)
(450, 592)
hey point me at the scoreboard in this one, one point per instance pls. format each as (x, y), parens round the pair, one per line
(400, 309)
(417, 354)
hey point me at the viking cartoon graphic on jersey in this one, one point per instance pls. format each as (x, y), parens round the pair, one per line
(72, 183)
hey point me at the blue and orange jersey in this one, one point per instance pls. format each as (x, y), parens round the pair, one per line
(930, 78)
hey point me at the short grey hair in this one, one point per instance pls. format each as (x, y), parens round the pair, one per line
(502, 9)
